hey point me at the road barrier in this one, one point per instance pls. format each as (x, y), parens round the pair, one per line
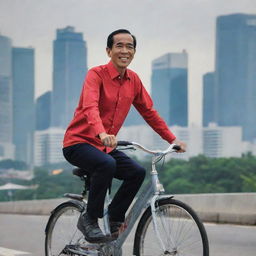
(236, 208)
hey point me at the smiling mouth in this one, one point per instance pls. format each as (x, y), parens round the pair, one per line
(124, 58)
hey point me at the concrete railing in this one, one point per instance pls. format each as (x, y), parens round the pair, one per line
(238, 208)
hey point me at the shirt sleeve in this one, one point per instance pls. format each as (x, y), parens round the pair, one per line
(90, 101)
(144, 104)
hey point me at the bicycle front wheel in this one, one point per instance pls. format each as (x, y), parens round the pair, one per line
(180, 231)
(61, 230)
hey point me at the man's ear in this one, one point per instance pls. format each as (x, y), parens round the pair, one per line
(108, 50)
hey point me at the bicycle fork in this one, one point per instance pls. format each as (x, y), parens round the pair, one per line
(106, 217)
(155, 222)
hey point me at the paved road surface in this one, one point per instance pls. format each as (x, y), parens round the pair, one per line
(23, 233)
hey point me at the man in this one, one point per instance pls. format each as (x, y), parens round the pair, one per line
(90, 139)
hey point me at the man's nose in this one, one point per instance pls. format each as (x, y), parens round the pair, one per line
(124, 49)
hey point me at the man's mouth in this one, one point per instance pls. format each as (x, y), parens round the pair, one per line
(124, 58)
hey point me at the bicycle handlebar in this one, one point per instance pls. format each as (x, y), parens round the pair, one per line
(170, 149)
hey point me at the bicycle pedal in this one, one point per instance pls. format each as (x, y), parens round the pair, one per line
(83, 251)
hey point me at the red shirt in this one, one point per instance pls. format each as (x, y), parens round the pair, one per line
(104, 104)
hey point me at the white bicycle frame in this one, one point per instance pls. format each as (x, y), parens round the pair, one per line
(152, 192)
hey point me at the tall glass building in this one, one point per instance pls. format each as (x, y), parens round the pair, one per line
(69, 69)
(6, 123)
(23, 66)
(43, 111)
(236, 72)
(208, 99)
(169, 87)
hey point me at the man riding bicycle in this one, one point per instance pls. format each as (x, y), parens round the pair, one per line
(90, 139)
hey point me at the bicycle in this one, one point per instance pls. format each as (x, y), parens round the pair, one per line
(166, 226)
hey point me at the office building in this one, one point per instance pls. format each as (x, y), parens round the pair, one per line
(169, 87)
(69, 69)
(208, 99)
(235, 72)
(134, 118)
(222, 141)
(48, 146)
(249, 147)
(6, 122)
(211, 141)
(43, 111)
(23, 67)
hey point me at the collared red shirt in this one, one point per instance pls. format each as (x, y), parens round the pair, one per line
(104, 103)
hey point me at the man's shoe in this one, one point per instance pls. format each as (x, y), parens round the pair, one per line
(90, 229)
(115, 228)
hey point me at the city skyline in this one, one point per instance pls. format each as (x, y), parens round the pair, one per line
(235, 79)
(6, 108)
(169, 87)
(23, 104)
(171, 27)
(69, 69)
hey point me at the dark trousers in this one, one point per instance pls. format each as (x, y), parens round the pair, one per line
(102, 168)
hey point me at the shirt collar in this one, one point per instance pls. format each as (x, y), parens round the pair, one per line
(114, 73)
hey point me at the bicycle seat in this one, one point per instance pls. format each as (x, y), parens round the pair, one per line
(80, 172)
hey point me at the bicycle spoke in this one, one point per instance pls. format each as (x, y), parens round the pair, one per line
(63, 231)
(178, 231)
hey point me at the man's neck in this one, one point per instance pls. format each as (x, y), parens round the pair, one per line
(121, 71)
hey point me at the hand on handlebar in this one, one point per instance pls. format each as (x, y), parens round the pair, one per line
(182, 145)
(108, 140)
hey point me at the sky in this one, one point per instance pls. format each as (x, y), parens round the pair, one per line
(161, 26)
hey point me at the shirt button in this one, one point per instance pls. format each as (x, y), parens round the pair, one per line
(113, 126)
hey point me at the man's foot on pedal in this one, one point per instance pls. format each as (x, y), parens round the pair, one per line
(90, 228)
(115, 228)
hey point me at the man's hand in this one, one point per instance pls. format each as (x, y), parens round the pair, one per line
(181, 144)
(108, 140)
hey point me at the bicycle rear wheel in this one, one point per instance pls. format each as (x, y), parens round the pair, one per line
(181, 231)
(61, 230)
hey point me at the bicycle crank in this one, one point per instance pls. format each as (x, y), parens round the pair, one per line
(74, 250)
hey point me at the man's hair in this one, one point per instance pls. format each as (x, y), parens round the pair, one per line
(110, 40)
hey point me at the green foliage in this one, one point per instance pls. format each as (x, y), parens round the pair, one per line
(48, 186)
(249, 182)
(197, 175)
(8, 164)
(210, 175)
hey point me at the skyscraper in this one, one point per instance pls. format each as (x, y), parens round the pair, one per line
(43, 111)
(23, 65)
(169, 87)
(6, 124)
(208, 98)
(48, 146)
(69, 69)
(134, 118)
(236, 72)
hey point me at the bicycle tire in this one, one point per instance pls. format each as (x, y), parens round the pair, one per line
(180, 229)
(61, 228)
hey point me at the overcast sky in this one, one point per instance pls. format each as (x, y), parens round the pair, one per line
(160, 26)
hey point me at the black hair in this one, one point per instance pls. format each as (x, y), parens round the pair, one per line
(110, 40)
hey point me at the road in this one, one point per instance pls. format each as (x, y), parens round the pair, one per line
(25, 233)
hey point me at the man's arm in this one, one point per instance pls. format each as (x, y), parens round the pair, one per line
(90, 106)
(144, 104)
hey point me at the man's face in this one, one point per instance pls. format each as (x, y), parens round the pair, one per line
(122, 51)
